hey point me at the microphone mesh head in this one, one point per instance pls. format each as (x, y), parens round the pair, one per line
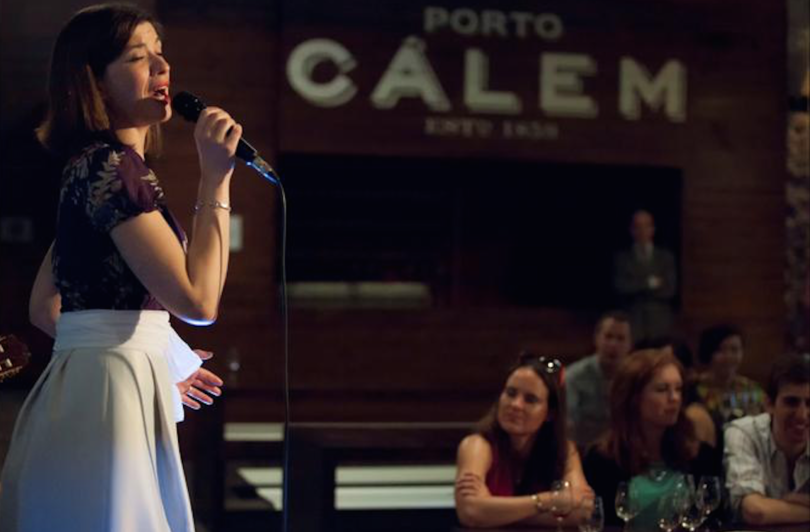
(188, 105)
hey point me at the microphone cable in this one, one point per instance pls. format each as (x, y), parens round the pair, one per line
(285, 483)
(272, 176)
(189, 107)
(266, 171)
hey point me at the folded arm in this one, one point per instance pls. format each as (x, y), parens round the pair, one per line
(745, 480)
(478, 508)
(760, 510)
(582, 495)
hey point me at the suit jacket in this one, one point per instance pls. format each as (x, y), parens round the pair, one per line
(650, 308)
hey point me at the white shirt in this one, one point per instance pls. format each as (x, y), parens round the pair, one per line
(754, 464)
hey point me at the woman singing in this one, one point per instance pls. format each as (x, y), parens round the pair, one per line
(95, 445)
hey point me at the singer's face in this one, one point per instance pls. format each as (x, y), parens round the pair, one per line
(136, 85)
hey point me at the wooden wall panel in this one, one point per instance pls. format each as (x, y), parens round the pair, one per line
(730, 150)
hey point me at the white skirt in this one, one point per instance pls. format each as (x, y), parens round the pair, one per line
(95, 444)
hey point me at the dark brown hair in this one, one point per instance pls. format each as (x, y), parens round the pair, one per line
(92, 39)
(624, 441)
(548, 457)
(788, 369)
(712, 338)
(615, 315)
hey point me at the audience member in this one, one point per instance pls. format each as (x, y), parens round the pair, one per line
(506, 469)
(726, 394)
(650, 442)
(674, 345)
(588, 379)
(705, 428)
(644, 278)
(767, 456)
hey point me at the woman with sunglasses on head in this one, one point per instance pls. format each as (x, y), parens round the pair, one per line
(505, 470)
(650, 442)
(95, 444)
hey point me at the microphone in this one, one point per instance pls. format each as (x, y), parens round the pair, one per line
(189, 107)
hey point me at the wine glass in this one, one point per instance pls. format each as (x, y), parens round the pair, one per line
(710, 493)
(670, 510)
(594, 520)
(693, 512)
(627, 505)
(561, 501)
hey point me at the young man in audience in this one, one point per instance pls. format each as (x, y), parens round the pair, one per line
(587, 381)
(767, 456)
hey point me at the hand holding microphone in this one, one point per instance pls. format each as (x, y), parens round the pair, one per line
(190, 107)
(216, 135)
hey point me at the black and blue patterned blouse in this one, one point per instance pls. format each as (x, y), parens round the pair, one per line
(103, 186)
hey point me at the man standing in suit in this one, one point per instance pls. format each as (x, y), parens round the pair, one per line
(644, 278)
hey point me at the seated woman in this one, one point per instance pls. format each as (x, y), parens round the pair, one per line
(705, 428)
(726, 394)
(650, 441)
(505, 469)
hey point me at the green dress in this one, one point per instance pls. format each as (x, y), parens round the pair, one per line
(648, 489)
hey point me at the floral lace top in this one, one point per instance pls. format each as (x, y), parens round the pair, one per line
(103, 186)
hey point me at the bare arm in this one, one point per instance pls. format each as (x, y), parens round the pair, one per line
(574, 473)
(476, 507)
(705, 430)
(581, 492)
(760, 510)
(45, 303)
(802, 499)
(189, 285)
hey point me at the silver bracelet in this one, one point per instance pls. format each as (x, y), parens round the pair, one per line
(214, 204)
(538, 503)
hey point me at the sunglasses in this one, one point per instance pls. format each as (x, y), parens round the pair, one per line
(547, 364)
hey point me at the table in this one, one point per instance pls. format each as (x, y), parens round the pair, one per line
(728, 528)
